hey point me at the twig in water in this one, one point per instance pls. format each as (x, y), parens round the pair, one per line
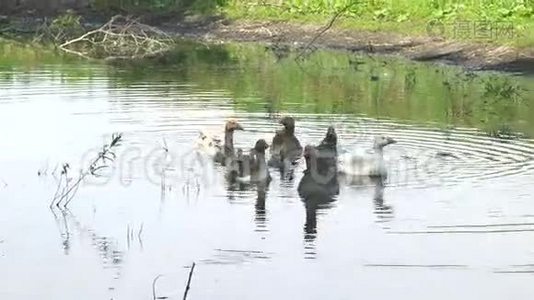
(154, 297)
(328, 26)
(163, 185)
(4, 184)
(140, 232)
(69, 191)
(165, 147)
(128, 236)
(189, 281)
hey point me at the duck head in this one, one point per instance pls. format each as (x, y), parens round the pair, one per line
(232, 125)
(288, 123)
(309, 151)
(261, 146)
(383, 141)
(310, 155)
(331, 136)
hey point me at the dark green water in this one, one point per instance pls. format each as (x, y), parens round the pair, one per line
(454, 226)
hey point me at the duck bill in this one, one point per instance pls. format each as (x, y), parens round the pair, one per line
(391, 141)
(239, 127)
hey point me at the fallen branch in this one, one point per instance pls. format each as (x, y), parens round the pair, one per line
(120, 38)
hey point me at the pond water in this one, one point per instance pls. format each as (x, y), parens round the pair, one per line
(455, 219)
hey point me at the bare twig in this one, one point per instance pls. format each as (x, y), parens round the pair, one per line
(165, 147)
(128, 236)
(69, 191)
(154, 296)
(327, 27)
(140, 232)
(120, 38)
(57, 191)
(189, 281)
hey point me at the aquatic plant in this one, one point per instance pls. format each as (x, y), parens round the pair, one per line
(504, 132)
(65, 191)
(503, 88)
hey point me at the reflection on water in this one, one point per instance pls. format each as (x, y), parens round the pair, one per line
(260, 216)
(456, 208)
(383, 211)
(106, 247)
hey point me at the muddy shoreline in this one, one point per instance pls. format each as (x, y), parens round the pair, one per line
(473, 56)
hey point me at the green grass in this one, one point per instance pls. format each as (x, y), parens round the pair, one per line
(459, 18)
(409, 17)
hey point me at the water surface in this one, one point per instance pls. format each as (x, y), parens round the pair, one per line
(455, 219)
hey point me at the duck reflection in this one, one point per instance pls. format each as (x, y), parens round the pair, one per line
(248, 172)
(383, 211)
(260, 217)
(106, 247)
(319, 186)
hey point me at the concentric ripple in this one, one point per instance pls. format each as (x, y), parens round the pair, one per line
(425, 156)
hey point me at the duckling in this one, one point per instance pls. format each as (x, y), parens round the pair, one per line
(316, 190)
(252, 167)
(367, 163)
(320, 177)
(213, 147)
(327, 152)
(285, 147)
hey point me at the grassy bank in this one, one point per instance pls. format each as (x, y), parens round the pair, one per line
(508, 22)
(501, 22)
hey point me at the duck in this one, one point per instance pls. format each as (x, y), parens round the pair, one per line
(366, 163)
(285, 147)
(253, 168)
(327, 152)
(214, 147)
(320, 177)
(317, 192)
